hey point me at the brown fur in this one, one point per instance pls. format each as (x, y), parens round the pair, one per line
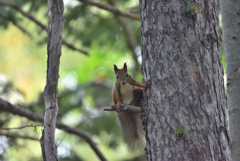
(131, 123)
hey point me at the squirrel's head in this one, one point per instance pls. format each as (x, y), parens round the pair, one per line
(121, 74)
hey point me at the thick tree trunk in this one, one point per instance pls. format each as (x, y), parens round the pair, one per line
(55, 29)
(186, 113)
(231, 38)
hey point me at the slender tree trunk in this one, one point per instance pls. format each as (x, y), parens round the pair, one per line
(186, 113)
(231, 38)
(55, 28)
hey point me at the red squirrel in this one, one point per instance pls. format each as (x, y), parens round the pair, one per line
(126, 92)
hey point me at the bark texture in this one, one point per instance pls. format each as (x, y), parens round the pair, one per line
(186, 113)
(55, 28)
(231, 38)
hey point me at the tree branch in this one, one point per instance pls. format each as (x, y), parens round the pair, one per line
(42, 26)
(11, 19)
(125, 107)
(14, 128)
(14, 136)
(111, 9)
(8, 107)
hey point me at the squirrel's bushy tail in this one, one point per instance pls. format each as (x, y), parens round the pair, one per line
(132, 129)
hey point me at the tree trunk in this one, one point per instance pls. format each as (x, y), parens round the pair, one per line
(55, 28)
(186, 113)
(231, 36)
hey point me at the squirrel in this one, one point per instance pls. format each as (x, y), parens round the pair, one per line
(126, 92)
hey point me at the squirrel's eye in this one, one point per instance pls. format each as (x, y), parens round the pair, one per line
(127, 75)
(117, 77)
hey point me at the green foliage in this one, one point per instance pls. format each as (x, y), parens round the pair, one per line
(192, 10)
(85, 82)
(181, 132)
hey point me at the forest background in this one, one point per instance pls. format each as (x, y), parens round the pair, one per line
(96, 40)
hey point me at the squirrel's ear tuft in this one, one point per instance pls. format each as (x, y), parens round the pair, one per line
(125, 66)
(115, 68)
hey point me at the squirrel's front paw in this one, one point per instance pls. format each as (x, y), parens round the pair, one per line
(118, 108)
(113, 106)
(147, 83)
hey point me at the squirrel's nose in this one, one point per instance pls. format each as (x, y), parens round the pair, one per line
(123, 83)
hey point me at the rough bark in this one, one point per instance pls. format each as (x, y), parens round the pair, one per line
(231, 39)
(186, 117)
(55, 28)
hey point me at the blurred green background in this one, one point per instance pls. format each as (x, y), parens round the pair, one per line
(85, 81)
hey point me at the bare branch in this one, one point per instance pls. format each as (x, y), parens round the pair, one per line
(125, 107)
(8, 107)
(11, 19)
(111, 9)
(136, 11)
(71, 46)
(16, 136)
(41, 25)
(14, 128)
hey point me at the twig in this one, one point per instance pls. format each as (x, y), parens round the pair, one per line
(71, 46)
(111, 9)
(11, 19)
(13, 128)
(136, 11)
(14, 136)
(42, 26)
(8, 107)
(125, 107)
